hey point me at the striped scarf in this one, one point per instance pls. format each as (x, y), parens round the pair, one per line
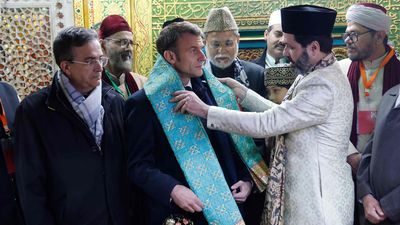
(89, 109)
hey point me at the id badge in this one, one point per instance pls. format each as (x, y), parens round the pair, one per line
(366, 122)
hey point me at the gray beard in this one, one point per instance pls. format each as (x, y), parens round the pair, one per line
(121, 67)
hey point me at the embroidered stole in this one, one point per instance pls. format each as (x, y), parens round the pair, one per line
(192, 148)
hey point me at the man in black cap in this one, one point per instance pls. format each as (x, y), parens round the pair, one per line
(310, 181)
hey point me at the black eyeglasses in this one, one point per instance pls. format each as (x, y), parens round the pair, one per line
(102, 60)
(353, 36)
(122, 42)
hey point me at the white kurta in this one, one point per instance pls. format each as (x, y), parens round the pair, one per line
(370, 103)
(319, 188)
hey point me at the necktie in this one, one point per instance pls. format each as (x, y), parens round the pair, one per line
(188, 88)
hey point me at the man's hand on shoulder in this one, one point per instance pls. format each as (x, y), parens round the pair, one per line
(186, 199)
(239, 89)
(372, 209)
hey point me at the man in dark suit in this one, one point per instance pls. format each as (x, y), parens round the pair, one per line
(70, 160)
(172, 181)
(222, 45)
(378, 176)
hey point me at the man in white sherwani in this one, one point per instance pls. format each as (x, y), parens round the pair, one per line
(315, 118)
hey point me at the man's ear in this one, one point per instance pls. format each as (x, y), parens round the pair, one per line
(103, 46)
(380, 36)
(65, 67)
(170, 56)
(313, 48)
(266, 34)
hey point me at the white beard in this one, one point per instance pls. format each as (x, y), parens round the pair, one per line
(222, 65)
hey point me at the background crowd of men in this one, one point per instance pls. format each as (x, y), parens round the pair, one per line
(198, 138)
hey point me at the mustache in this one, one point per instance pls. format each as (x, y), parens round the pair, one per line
(279, 45)
(126, 54)
(222, 56)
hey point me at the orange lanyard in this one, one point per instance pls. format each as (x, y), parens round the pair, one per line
(368, 83)
(3, 119)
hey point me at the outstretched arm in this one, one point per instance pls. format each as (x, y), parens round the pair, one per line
(311, 106)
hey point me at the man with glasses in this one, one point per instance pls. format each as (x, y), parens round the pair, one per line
(70, 158)
(221, 35)
(372, 69)
(116, 40)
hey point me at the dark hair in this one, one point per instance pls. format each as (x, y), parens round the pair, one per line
(68, 38)
(169, 36)
(325, 42)
(270, 28)
(168, 22)
(385, 40)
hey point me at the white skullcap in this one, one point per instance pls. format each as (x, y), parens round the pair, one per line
(369, 15)
(275, 18)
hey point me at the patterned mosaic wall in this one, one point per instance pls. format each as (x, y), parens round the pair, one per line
(25, 50)
(26, 34)
(253, 15)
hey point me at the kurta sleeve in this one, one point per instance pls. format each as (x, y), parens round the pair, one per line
(31, 170)
(351, 149)
(256, 103)
(311, 105)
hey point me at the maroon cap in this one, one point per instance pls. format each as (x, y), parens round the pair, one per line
(113, 24)
(372, 5)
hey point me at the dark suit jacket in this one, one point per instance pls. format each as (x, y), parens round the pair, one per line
(378, 173)
(152, 165)
(261, 61)
(255, 74)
